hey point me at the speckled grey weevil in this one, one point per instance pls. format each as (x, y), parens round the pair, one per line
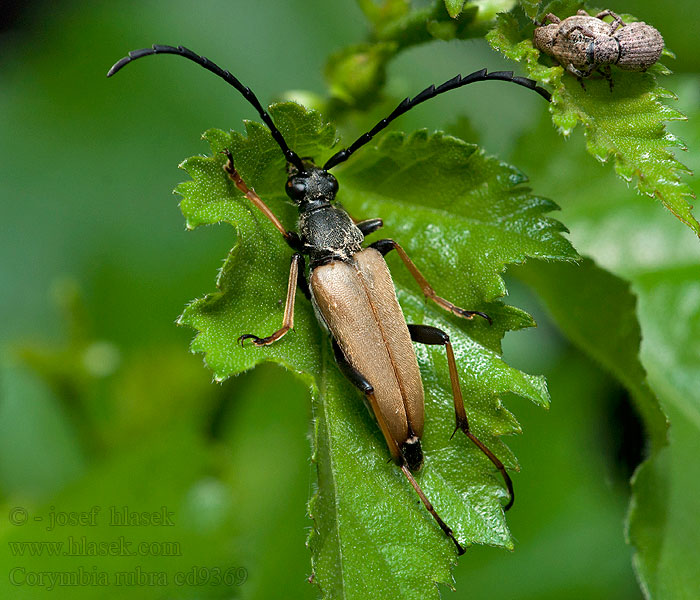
(583, 43)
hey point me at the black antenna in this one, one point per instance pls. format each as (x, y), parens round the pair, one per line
(289, 154)
(428, 93)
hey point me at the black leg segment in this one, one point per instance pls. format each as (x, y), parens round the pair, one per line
(301, 278)
(430, 336)
(369, 226)
(383, 246)
(352, 374)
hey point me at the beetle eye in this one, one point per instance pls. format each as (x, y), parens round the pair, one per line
(334, 184)
(296, 189)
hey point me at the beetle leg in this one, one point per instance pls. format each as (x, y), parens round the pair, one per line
(369, 226)
(584, 30)
(617, 21)
(606, 73)
(360, 382)
(386, 246)
(302, 284)
(448, 532)
(425, 334)
(366, 226)
(291, 237)
(288, 320)
(580, 75)
(551, 18)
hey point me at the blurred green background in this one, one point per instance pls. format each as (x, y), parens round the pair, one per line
(100, 402)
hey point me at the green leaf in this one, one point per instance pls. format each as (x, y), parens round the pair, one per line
(530, 7)
(454, 7)
(610, 334)
(487, 8)
(356, 73)
(455, 210)
(663, 522)
(625, 124)
(659, 257)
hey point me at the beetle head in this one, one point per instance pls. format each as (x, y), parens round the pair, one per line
(312, 186)
(543, 38)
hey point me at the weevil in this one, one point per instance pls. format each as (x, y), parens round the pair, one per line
(350, 286)
(583, 43)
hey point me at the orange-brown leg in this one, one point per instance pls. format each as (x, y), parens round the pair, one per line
(385, 246)
(291, 237)
(425, 334)
(288, 320)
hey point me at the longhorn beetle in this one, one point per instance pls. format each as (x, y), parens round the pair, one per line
(350, 286)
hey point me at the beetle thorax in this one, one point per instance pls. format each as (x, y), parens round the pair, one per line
(328, 233)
